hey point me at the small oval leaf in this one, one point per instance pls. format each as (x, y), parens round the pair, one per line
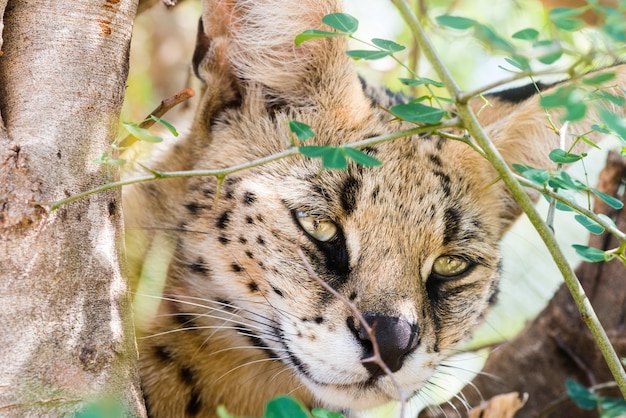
(418, 113)
(388, 45)
(342, 22)
(302, 131)
(591, 225)
(362, 158)
(608, 199)
(141, 133)
(455, 22)
(563, 157)
(307, 35)
(360, 54)
(591, 255)
(528, 34)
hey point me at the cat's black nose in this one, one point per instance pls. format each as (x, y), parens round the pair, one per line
(396, 338)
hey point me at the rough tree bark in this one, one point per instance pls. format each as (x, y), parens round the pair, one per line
(65, 320)
(557, 345)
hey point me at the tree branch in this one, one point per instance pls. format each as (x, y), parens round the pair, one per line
(472, 125)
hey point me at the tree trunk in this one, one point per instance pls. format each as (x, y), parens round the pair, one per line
(557, 345)
(66, 328)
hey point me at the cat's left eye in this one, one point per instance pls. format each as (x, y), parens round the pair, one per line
(451, 266)
(322, 230)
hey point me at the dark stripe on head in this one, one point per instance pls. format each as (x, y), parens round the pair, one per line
(452, 225)
(349, 191)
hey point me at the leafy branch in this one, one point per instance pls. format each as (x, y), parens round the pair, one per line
(474, 128)
(221, 174)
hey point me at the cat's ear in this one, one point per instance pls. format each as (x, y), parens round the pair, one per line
(251, 43)
(525, 133)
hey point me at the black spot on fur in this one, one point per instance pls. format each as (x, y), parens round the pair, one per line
(223, 220)
(193, 207)
(222, 239)
(163, 353)
(435, 160)
(195, 403)
(348, 194)
(249, 220)
(452, 222)
(187, 375)
(249, 254)
(445, 181)
(278, 291)
(199, 266)
(260, 240)
(353, 295)
(318, 319)
(243, 240)
(253, 286)
(236, 268)
(249, 198)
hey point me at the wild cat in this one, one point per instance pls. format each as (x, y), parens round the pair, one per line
(412, 243)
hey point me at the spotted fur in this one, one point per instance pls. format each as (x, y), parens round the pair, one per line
(241, 320)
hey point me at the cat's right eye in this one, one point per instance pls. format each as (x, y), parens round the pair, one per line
(322, 230)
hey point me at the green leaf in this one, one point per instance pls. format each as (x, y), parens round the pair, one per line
(324, 413)
(494, 41)
(307, 35)
(528, 34)
(563, 18)
(575, 111)
(562, 180)
(342, 22)
(285, 407)
(455, 22)
(562, 157)
(609, 200)
(550, 57)
(418, 113)
(597, 79)
(165, 123)
(359, 54)
(584, 398)
(536, 175)
(420, 82)
(388, 45)
(302, 131)
(616, 29)
(615, 123)
(141, 133)
(591, 225)
(332, 157)
(611, 98)
(561, 96)
(613, 407)
(519, 62)
(361, 158)
(591, 255)
(600, 129)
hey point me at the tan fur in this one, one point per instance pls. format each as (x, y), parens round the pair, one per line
(235, 265)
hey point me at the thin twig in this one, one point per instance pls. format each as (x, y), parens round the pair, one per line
(164, 107)
(376, 358)
(473, 126)
(222, 173)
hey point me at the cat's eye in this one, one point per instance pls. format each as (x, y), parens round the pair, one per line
(451, 266)
(320, 229)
